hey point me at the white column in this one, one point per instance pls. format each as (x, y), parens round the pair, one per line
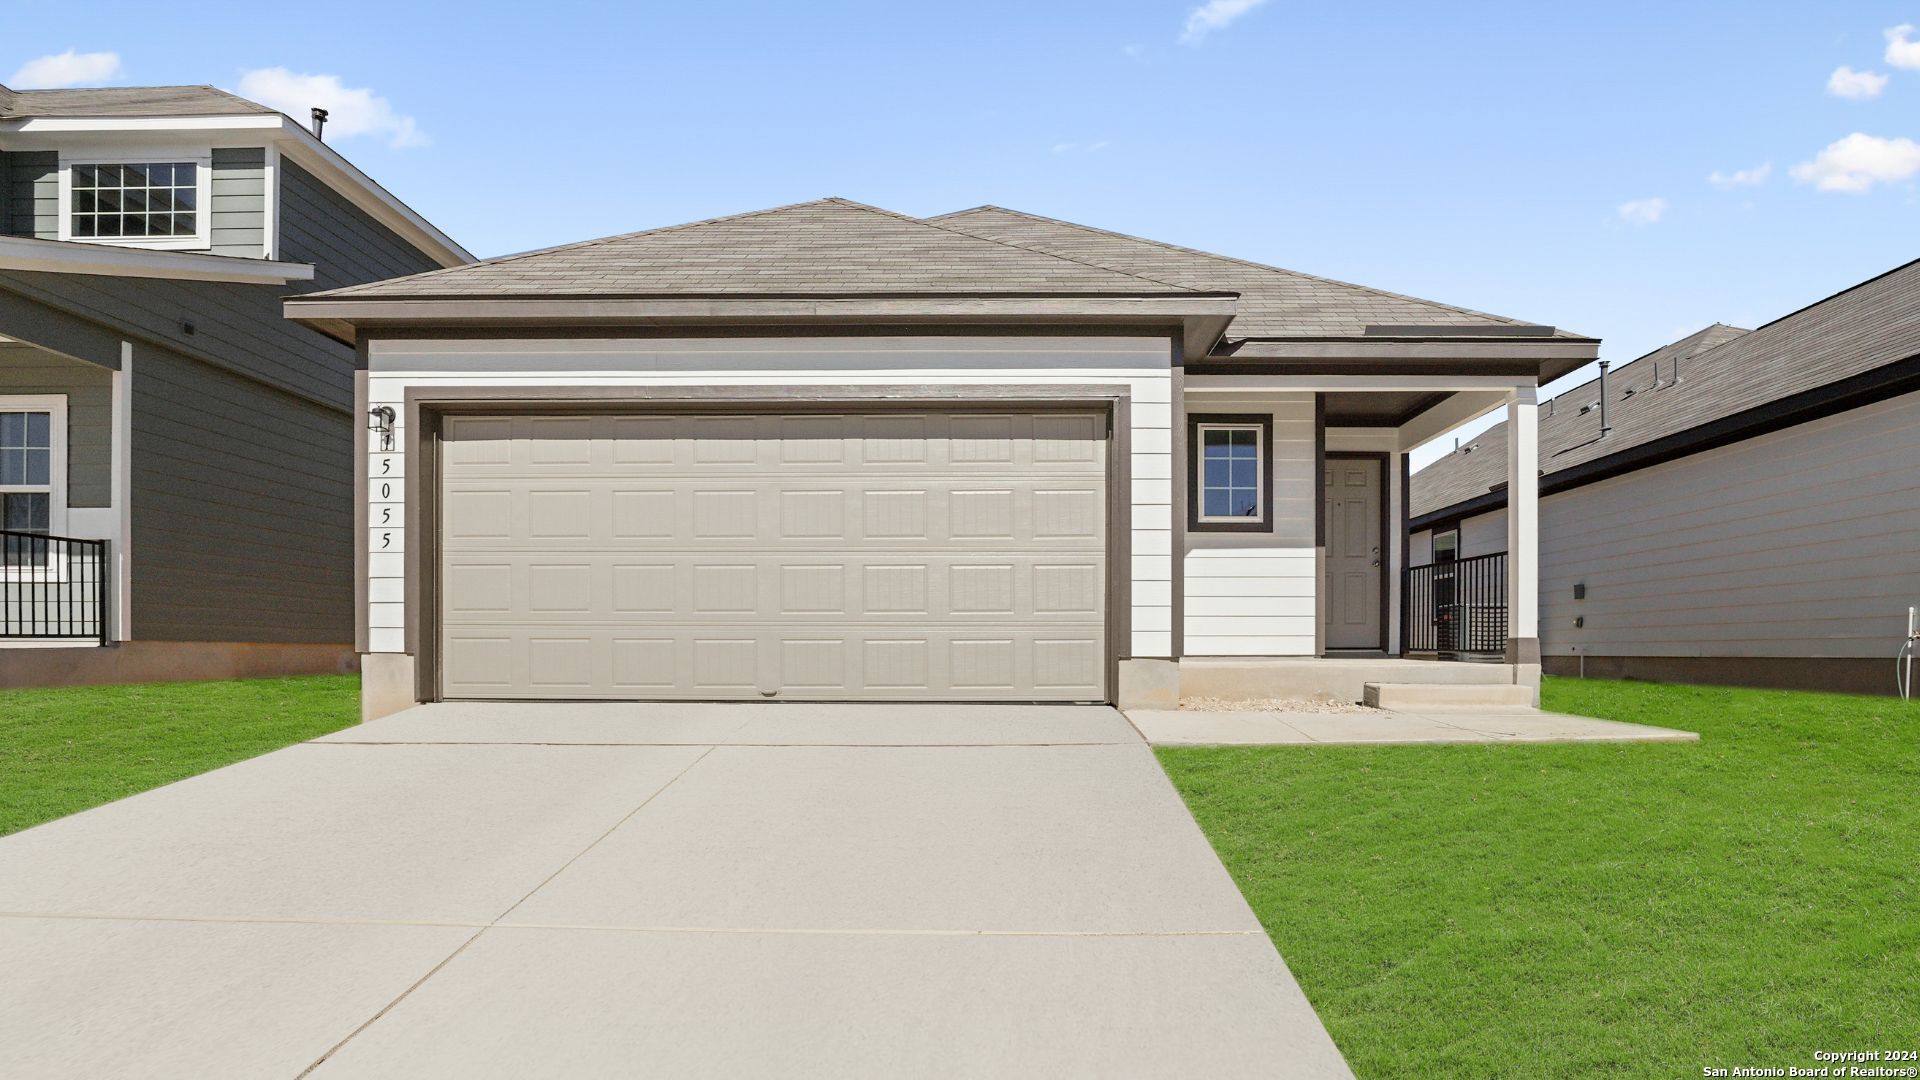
(1523, 526)
(122, 495)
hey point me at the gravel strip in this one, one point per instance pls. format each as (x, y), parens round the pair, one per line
(1215, 704)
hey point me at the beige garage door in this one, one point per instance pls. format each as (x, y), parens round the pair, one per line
(887, 556)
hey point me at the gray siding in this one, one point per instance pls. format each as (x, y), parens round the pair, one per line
(239, 202)
(1798, 543)
(89, 392)
(6, 194)
(347, 247)
(32, 194)
(240, 326)
(242, 522)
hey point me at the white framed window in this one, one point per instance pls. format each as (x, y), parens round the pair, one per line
(1231, 467)
(152, 200)
(33, 475)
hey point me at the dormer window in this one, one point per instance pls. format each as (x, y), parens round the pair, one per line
(151, 202)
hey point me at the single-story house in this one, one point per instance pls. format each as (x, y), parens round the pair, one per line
(1739, 507)
(174, 454)
(828, 451)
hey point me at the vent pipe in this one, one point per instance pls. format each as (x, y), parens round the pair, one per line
(319, 121)
(1604, 426)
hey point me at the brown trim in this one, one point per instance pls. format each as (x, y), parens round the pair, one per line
(426, 406)
(1379, 458)
(1319, 524)
(361, 634)
(1866, 388)
(1518, 369)
(1178, 500)
(563, 331)
(1833, 674)
(1194, 493)
(1406, 545)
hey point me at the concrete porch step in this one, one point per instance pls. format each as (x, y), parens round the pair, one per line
(1445, 695)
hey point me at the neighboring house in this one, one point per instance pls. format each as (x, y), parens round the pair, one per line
(829, 451)
(1749, 514)
(171, 448)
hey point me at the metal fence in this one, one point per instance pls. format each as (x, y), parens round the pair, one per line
(52, 587)
(1457, 607)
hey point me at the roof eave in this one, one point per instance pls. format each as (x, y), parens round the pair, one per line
(1546, 358)
(1200, 318)
(35, 255)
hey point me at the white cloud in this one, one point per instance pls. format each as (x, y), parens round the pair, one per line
(1902, 51)
(1753, 177)
(1855, 85)
(1214, 15)
(66, 69)
(351, 111)
(1643, 211)
(1857, 162)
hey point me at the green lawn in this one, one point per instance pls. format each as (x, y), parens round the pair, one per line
(1593, 910)
(64, 750)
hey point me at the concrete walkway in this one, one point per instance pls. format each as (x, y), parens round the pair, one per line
(618, 890)
(1388, 727)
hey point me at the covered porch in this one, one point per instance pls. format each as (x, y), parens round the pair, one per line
(1320, 597)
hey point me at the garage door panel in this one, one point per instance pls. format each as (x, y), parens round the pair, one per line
(904, 556)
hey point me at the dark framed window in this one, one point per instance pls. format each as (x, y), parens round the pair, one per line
(138, 201)
(1446, 546)
(1230, 472)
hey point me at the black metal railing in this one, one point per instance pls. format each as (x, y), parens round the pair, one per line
(1457, 607)
(52, 587)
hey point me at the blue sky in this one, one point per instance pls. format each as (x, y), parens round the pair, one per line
(1504, 157)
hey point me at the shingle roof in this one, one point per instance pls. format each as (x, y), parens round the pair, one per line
(123, 101)
(830, 247)
(1274, 303)
(1723, 371)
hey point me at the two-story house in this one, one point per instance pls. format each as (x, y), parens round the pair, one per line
(175, 484)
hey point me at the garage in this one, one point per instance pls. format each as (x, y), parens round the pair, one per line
(882, 555)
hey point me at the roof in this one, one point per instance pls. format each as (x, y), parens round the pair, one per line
(1723, 371)
(1274, 303)
(126, 101)
(826, 248)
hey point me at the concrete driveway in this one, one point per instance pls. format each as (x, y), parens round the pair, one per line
(672, 890)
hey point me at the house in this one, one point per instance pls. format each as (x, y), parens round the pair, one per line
(173, 452)
(1737, 507)
(828, 451)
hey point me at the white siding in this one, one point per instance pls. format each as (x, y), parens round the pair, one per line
(1140, 363)
(1483, 535)
(1251, 594)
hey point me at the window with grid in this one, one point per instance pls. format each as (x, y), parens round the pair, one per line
(154, 199)
(1230, 473)
(26, 484)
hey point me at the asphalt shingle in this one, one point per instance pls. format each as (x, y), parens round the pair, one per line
(1723, 371)
(126, 101)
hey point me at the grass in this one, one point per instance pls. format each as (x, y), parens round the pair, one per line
(1633, 910)
(64, 750)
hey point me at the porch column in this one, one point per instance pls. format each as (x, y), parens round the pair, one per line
(1523, 528)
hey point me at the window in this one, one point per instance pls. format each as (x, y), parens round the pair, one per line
(1446, 546)
(1231, 482)
(135, 201)
(26, 483)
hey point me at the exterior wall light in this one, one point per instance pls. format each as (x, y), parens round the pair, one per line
(380, 419)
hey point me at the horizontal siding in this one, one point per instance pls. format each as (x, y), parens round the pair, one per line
(239, 325)
(347, 247)
(1797, 543)
(1252, 594)
(89, 393)
(242, 524)
(1483, 535)
(239, 202)
(1138, 363)
(32, 193)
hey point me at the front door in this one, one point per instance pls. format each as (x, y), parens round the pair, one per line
(1355, 577)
